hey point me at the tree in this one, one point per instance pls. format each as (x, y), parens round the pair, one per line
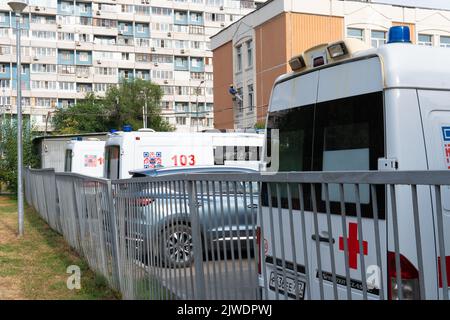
(88, 115)
(122, 104)
(260, 125)
(8, 151)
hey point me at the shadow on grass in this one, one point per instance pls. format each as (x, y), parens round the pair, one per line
(94, 285)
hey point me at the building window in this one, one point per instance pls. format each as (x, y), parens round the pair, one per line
(355, 33)
(250, 97)
(196, 29)
(83, 56)
(445, 42)
(239, 58)
(181, 121)
(249, 53)
(425, 40)
(2, 68)
(378, 38)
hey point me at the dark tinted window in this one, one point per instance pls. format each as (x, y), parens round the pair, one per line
(112, 162)
(295, 152)
(349, 136)
(68, 161)
(340, 135)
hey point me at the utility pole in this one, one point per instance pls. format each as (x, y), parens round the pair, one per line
(17, 7)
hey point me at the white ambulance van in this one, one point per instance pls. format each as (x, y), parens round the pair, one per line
(85, 157)
(145, 149)
(350, 108)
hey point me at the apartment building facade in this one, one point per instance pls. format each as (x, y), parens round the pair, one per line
(71, 47)
(255, 50)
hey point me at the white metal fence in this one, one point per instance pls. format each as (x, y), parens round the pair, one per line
(320, 235)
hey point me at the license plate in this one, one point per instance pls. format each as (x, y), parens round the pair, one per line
(291, 284)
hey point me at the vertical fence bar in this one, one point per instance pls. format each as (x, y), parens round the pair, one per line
(360, 242)
(305, 242)
(345, 241)
(272, 240)
(262, 249)
(330, 239)
(440, 229)
(114, 235)
(317, 235)
(396, 240)
(377, 237)
(280, 229)
(197, 241)
(418, 240)
(291, 230)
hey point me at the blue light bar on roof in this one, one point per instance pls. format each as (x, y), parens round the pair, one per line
(127, 128)
(399, 34)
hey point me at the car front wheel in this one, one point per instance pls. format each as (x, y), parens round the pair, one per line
(177, 246)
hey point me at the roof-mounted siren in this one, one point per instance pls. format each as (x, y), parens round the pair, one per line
(297, 63)
(399, 34)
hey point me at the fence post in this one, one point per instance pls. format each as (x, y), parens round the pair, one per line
(196, 241)
(115, 236)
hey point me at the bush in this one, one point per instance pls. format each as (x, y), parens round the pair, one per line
(8, 150)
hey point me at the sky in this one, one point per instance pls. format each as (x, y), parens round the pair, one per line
(438, 4)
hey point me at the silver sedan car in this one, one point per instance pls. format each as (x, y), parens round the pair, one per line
(162, 219)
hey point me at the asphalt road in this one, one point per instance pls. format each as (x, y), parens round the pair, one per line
(222, 279)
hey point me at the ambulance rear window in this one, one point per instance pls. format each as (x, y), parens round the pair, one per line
(112, 162)
(340, 135)
(68, 161)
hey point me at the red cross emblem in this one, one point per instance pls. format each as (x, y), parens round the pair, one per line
(353, 245)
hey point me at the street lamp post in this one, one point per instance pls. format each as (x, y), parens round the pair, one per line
(144, 109)
(17, 7)
(196, 103)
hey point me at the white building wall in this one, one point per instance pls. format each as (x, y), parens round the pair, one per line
(86, 35)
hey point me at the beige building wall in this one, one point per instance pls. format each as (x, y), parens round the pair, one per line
(284, 28)
(223, 105)
(270, 52)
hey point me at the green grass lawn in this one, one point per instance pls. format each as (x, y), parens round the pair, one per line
(34, 267)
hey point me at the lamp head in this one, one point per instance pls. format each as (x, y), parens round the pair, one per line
(18, 5)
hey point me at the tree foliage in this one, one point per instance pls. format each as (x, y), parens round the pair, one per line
(8, 150)
(122, 104)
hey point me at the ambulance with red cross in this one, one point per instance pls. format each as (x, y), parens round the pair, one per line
(347, 107)
(146, 149)
(85, 157)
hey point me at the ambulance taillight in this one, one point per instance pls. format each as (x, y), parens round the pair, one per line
(409, 279)
(258, 246)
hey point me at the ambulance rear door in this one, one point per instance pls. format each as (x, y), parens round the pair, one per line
(435, 111)
(348, 136)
